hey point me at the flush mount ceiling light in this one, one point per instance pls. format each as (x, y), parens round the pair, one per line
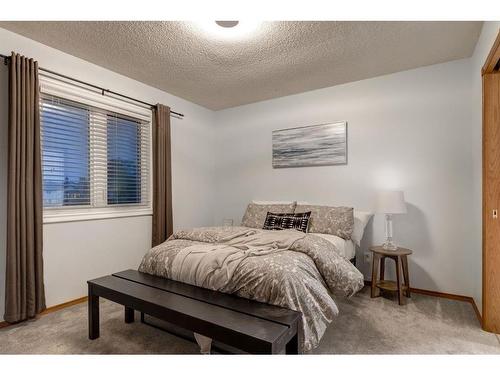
(229, 29)
(227, 23)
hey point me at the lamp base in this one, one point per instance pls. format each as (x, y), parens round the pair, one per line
(389, 245)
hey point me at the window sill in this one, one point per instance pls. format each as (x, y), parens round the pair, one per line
(50, 216)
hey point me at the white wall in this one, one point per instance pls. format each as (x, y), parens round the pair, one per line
(483, 46)
(75, 252)
(418, 130)
(409, 131)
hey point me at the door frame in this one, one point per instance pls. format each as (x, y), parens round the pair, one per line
(491, 66)
(493, 58)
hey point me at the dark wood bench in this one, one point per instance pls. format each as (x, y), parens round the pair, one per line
(247, 325)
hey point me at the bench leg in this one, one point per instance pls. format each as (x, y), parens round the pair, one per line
(293, 345)
(142, 317)
(93, 304)
(129, 315)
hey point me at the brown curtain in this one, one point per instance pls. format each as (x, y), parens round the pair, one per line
(162, 175)
(24, 291)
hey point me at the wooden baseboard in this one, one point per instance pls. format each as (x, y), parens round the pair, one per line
(456, 297)
(478, 314)
(54, 308)
(61, 306)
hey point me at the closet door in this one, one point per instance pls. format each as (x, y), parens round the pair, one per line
(491, 201)
(491, 189)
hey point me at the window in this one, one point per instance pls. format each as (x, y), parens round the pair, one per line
(124, 160)
(95, 161)
(65, 153)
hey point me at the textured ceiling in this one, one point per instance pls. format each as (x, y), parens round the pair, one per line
(278, 59)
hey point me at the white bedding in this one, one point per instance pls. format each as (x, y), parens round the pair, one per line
(346, 247)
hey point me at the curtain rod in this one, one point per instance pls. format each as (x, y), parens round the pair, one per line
(103, 90)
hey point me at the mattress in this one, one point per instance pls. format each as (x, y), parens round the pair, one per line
(345, 248)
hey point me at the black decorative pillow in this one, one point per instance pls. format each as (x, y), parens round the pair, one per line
(287, 221)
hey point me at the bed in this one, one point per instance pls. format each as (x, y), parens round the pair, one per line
(300, 271)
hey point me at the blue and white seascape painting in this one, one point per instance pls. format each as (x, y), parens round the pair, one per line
(310, 146)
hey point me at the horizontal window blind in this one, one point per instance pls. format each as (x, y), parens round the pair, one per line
(65, 130)
(91, 157)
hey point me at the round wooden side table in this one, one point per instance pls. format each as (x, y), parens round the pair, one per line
(400, 257)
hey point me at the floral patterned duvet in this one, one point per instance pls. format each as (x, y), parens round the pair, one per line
(303, 277)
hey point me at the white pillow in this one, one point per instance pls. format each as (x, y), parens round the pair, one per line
(344, 248)
(361, 218)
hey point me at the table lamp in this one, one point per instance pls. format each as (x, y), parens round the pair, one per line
(390, 203)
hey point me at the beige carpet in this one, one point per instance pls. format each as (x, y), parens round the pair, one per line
(426, 325)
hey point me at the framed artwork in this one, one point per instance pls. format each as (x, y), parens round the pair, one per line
(309, 146)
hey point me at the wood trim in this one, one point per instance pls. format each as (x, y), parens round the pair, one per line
(478, 314)
(491, 189)
(456, 297)
(63, 305)
(484, 200)
(491, 202)
(493, 57)
(54, 308)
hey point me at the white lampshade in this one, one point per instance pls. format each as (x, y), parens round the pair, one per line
(390, 202)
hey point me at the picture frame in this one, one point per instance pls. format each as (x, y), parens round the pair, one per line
(308, 146)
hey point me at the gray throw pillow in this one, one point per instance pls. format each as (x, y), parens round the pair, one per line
(255, 215)
(338, 221)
